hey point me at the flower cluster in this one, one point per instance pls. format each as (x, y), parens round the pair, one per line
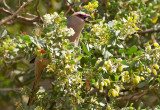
(68, 31)
(50, 18)
(129, 25)
(91, 6)
(101, 31)
(114, 92)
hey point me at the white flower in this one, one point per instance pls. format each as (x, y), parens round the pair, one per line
(47, 19)
(41, 89)
(110, 24)
(70, 32)
(54, 16)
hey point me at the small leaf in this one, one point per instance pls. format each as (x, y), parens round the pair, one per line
(124, 62)
(125, 66)
(86, 36)
(100, 64)
(107, 54)
(113, 41)
(140, 106)
(27, 39)
(133, 63)
(97, 20)
(131, 50)
(93, 1)
(121, 51)
(142, 84)
(85, 49)
(4, 33)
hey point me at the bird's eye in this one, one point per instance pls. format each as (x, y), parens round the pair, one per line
(79, 15)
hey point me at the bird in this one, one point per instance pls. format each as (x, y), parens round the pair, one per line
(77, 22)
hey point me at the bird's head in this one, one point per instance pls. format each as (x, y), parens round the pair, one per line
(78, 19)
(81, 16)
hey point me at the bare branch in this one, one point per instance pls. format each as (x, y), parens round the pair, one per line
(93, 91)
(137, 95)
(5, 4)
(37, 11)
(10, 89)
(14, 14)
(149, 31)
(69, 8)
(5, 11)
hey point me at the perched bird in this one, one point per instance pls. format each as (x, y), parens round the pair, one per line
(76, 21)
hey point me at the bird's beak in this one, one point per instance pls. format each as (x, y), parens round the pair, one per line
(86, 18)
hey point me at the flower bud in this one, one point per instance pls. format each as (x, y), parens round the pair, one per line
(155, 44)
(105, 84)
(102, 84)
(154, 72)
(148, 70)
(107, 81)
(114, 93)
(120, 68)
(156, 66)
(96, 85)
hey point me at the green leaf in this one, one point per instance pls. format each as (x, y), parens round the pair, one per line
(121, 51)
(93, 1)
(113, 41)
(26, 38)
(97, 20)
(158, 80)
(86, 36)
(85, 49)
(139, 53)
(131, 50)
(133, 63)
(113, 77)
(140, 106)
(124, 62)
(100, 64)
(142, 84)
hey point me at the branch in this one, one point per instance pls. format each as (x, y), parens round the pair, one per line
(137, 95)
(69, 8)
(5, 4)
(29, 20)
(37, 11)
(9, 89)
(93, 91)
(14, 14)
(149, 31)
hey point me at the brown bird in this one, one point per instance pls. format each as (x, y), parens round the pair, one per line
(76, 21)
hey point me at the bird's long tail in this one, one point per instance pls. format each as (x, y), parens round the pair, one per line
(40, 64)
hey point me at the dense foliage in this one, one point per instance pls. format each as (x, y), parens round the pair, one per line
(115, 66)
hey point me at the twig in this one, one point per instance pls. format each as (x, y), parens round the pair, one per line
(137, 95)
(93, 91)
(5, 11)
(14, 14)
(29, 20)
(69, 8)
(37, 11)
(10, 89)
(5, 4)
(149, 31)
